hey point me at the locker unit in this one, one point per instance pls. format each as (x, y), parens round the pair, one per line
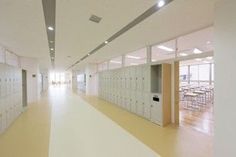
(133, 88)
(10, 95)
(161, 94)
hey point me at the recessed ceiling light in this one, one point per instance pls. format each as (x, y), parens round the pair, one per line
(133, 57)
(52, 49)
(116, 62)
(106, 42)
(197, 51)
(209, 58)
(133, 63)
(183, 54)
(198, 59)
(165, 48)
(207, 62)
(50, 28)
(161, 3)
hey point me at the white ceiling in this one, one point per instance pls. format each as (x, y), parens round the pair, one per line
(23, 29)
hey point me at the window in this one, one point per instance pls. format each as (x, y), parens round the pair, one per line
(163, 51)
(194, 74)
(212, 72)
(196, 43)
(115, 63)
(136, 58)
(183, 73)
(204, 72)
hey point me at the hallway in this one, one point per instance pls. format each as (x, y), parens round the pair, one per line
(65, 124)
(76, 129)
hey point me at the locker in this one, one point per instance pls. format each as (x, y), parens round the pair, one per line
(139, 103)
(127, 100)
(133, 102)
(146, 78)
(156, 110)
(139, 71)
(123, 99)
(132, 78)
(147, 105)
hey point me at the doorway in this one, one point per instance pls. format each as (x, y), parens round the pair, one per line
(24, 88)
(196, 94)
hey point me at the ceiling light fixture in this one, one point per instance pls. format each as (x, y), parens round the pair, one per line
(207, 62)
(198, 59)
(183, 54)
(50, 28)
(133, 57)
(161, 3)
(52, 49)
(116, 62)
(197, 51)
(133, 63)
(209, 58)
(208, 42)
(165, 48)
(106, 42)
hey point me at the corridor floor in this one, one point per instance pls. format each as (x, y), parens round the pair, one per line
(63, 124)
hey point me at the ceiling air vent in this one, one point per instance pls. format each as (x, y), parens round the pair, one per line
(95, 19)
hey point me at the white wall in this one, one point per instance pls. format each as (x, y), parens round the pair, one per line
(91, 72)
(44, 80)
(33, 83)
(225, 79)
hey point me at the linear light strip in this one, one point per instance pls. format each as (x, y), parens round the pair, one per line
(49, 9)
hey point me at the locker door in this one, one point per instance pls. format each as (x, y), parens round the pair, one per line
(139, 103)
(156, 112)
(146, 78)
(139, 78)
(133, 78)
(147, 105)
(127, 100)
(128, 77)
(133, 102)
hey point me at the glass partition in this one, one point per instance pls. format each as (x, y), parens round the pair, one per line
(115, 63)
(164, 51)
(136, 58)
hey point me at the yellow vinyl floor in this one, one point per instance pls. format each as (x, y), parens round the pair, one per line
(29, 135)
(170, 141)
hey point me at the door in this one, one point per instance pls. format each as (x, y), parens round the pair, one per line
(139, 103)
(147, 105)
(24, 88)
(156, 109)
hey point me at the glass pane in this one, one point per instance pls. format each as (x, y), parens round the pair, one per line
(196, 43)
(115, 63)
(136, 58)
(212, 72)
(183, 73)
(204, 72)
(194, 73)
(163, 51)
